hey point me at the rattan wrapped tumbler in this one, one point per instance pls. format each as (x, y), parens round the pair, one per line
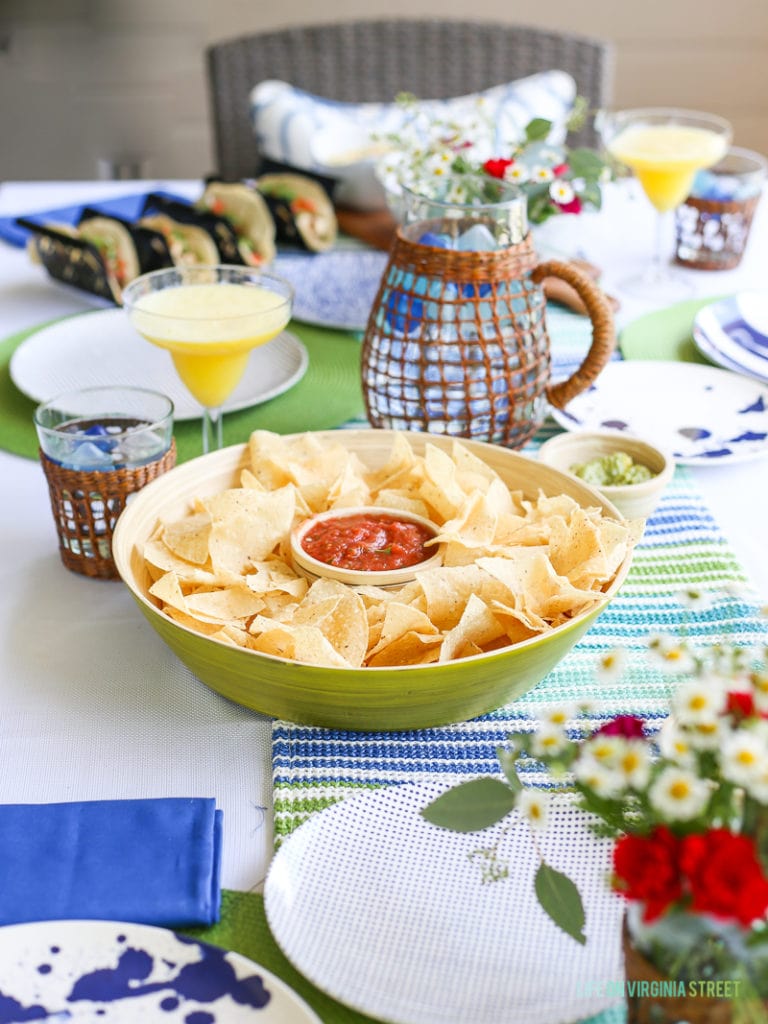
(457, 343)
(98, 446)
(86, 507)
(713, 224)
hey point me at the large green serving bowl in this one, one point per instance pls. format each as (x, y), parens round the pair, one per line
(356, 698)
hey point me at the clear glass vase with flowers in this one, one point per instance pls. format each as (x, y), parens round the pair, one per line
(461, 162)
(685, 806)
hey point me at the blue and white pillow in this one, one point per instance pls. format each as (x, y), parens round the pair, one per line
(329, 137)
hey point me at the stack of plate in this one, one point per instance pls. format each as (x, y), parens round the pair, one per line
(733, 334)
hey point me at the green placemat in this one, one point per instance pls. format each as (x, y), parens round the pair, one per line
(243, 929)
(328, 395)
(665, 334)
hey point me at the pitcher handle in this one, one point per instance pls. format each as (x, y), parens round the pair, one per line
(603, 330)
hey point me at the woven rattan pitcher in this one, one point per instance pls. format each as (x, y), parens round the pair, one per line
(457, 343)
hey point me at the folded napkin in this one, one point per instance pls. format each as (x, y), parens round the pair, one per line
(143, 861)
(128, 207)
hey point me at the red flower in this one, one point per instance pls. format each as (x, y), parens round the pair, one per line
(496, 168)
(560, 169)
(647, 870)
(628, 726)
(740, 704)
(573, 207)
(724, 876)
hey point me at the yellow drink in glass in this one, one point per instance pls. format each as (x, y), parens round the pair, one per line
(209, 319)
(666, 157)
(664, 147)
(210, 329)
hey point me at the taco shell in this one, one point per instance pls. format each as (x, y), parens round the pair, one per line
(70, 258)
(302, 210)
(249, 215)
(188, 244)
(115, 245)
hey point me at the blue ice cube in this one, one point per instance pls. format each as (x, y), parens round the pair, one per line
(477, 239)
(87, 455)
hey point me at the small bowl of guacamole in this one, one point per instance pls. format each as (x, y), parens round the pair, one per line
(629, 472)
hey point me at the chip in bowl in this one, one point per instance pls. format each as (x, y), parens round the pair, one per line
(511, 566)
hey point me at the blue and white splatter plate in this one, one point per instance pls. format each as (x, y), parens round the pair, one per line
(703, 415)
(113, 972)
(733, 333)
(333, 289)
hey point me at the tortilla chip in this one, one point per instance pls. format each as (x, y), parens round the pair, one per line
(188, 538)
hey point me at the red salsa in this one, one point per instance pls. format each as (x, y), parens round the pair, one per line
(369, 542)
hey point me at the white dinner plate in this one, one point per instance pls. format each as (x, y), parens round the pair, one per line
(389, 915)
(703, 415)
(732, 333)
(101, 348)
(113, 972)
(333, 289)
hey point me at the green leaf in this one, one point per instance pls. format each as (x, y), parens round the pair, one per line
(560, 899)
(592, 194)
(585, 163)
(508, 760)
(578, 115)
(471, 806)
(537, 129)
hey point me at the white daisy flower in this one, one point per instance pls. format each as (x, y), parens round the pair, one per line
(533, 804)
(675, 744)
(695, 598)
(672, 653)
(698, 700)
(759, 682)
(541, 173)
(635, 763)
(758, 786)
(438, 165)
(559, 715)
(707, 734)
(561, 192)
(605, 750)
(611, 665)
(678, 794)
(603, 781)
(743, 757)
(517, 172)
(548, 741)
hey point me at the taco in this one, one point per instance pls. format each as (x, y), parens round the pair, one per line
(115, 246)
(71, 258)
(188, 244)
(302, 210)
(248, 214)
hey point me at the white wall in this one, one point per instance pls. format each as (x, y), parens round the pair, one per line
(83, 79)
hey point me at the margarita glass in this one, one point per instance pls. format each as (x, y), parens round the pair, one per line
(209, 318)
(665, 148)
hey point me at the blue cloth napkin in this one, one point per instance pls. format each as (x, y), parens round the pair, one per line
(125, 207)
(143, 861)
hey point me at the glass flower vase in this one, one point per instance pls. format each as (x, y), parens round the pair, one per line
(692, 968)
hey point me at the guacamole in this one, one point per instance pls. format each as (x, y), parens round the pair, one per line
(614, 469)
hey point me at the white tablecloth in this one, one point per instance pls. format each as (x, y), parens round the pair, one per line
(92, 703)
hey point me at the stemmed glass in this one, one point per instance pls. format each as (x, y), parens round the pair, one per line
(209, 318)
(664, 147)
